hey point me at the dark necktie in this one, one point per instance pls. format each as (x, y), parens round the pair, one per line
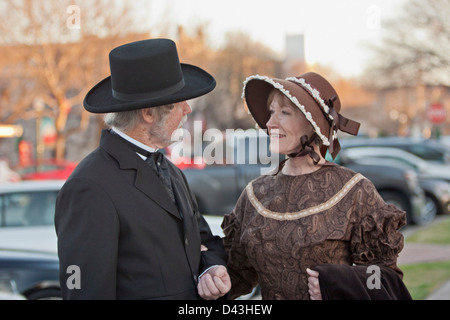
(159, 163)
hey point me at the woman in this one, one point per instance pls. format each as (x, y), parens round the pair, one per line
(311, 212)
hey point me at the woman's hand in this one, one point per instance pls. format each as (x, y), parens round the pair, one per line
(313, 285)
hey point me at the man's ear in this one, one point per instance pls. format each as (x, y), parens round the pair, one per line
(148, 115)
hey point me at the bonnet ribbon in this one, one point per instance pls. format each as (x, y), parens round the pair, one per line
(306, 150)
(339, 122)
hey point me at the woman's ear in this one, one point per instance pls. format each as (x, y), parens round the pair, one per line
(148, 115)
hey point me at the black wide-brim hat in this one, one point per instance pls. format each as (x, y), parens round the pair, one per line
(147, 74)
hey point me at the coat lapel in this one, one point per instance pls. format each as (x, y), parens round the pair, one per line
(181, 195)
(191, 232)
(152, 186)
(146, 179)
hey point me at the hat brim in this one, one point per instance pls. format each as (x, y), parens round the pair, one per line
(256, 96)
(197, 83)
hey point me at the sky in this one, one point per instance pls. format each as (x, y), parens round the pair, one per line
(335, 31)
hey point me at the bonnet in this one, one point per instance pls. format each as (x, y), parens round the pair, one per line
(316, 99)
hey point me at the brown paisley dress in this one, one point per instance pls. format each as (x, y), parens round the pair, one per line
(283, 224)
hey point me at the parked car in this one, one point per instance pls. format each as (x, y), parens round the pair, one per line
(437, 191)
(434, 178)
(6, 295)
(397, 186)
(28, 237)
(48, 169)
(445, 140)
(27, 215)
(429, 150)
(31, 275)
(440, 171)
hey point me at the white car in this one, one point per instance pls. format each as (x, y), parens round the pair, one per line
(27, 215)
(27, 210)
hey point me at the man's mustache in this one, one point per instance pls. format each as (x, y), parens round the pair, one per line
(182, 122)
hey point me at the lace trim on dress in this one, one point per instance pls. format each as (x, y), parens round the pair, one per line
(306, 212)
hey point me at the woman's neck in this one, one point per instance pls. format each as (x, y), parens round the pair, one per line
(301, 165)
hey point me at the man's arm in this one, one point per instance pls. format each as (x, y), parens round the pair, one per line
(214, 281)
(88, 230)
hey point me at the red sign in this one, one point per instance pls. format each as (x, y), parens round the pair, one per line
(436, 113)
(25, 153)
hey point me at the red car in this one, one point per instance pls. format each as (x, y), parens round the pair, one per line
(47, 170)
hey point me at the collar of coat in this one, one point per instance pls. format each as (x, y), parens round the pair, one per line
(146, 179)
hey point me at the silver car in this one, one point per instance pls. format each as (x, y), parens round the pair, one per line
(27, 215)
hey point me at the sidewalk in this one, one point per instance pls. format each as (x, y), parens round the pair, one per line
(442, 293)
(422, 252)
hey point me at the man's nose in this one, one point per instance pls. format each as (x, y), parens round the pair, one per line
(186, 108)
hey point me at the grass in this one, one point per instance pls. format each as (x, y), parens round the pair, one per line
(436, 233)
(422, 279)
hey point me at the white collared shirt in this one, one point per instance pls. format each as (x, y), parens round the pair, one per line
(135, 142)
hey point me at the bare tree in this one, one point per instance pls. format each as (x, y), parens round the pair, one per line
(415, 48)
(413, 56)
(239, 58)
(53, 52)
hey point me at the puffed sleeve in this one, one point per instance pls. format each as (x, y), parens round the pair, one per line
(243, 276)
(376, 238)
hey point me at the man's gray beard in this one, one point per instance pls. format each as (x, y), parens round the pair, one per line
(157, 131)
(182, 122)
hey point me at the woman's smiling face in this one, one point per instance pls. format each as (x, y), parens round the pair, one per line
(286, 124)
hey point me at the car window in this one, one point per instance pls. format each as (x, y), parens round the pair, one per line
(425, 152)
(28, 209)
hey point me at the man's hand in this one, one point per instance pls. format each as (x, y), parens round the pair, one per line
(214, 284)
(313, 285)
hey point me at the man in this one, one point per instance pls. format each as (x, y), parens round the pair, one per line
(127, 223)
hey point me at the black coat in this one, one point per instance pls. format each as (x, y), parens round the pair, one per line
(117, 223)
(344, 282)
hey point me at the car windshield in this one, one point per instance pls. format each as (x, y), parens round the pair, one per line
(428, 153)
(386, 153)
(27, 208)
(428, 150)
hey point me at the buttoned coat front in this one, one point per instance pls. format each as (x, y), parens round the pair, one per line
(117, 224)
